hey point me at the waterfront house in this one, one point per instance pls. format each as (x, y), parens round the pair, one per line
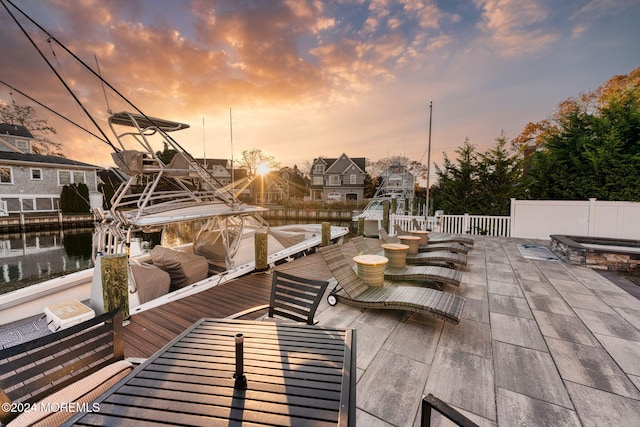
(340, 179)
(33, 182)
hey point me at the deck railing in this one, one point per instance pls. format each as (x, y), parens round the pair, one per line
(461, 224)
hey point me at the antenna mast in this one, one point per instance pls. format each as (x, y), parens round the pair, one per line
(233, 181)
(426, 208)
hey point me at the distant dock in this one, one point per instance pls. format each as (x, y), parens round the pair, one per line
(36, 222)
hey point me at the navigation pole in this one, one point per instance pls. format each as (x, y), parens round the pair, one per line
(426, 207)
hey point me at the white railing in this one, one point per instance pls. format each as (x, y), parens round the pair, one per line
(459, 224)
(539, 219)
(27, 203)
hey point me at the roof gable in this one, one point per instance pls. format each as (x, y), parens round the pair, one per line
(15, 130)
(39, 158)
(343, 163)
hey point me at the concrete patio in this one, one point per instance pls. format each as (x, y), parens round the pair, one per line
(541, 343)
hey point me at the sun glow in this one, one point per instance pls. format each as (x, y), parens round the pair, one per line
(263, 169)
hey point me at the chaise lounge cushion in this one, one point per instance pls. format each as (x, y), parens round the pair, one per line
(54, 409)
(184, 268)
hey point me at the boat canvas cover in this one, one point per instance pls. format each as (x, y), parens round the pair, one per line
(145, 122)
(129, 161)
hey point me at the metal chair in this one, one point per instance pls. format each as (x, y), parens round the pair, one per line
(292, 298)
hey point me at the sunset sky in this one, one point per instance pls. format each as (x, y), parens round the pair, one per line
(319, 78)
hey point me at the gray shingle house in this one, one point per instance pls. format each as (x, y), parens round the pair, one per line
(33, 182)
(340, 179)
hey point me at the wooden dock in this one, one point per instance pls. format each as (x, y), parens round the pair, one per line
(152, 329)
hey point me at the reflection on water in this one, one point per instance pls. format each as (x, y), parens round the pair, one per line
(27, 258)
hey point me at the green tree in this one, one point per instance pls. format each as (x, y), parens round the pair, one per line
(480, 183)
(499, 179)
(590, 147)
(455, 192)
(81, 198)
(371, 184)
(26, 116)
(108, 191)
(167, 154)
(66, 199)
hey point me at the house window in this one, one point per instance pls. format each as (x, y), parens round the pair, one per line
(319, 169)
(23, 145)
(78, 177)
(36, 174)
(334, 180)
(27, 205)
(6, 175)
(353, 179)
(317, 180)
(69, 177)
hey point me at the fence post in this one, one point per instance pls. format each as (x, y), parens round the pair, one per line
(591, 216)
(465, 224)
(512, 216)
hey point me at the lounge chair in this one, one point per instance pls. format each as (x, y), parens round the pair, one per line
(292, 298)
(446, 237)
(428, 258)
(438, 275)
(435, 246)
(352, 290)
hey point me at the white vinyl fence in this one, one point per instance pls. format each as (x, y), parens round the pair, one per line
(539, 219)
(459, 224)
(595, 218)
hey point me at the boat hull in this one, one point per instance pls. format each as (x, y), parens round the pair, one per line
(30, 301)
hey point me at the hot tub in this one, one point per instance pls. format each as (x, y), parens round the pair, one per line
(600, 253)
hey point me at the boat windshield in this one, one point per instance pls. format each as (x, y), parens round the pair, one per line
(375, 205)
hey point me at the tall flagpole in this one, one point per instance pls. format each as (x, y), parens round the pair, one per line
(204, 145)
(426, 208)
(231, 135)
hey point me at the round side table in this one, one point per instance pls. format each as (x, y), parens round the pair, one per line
(397, 254)
(423, 235)
(371, 268)
(412, 241)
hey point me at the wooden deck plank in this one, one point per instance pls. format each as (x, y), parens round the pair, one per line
(151, 330)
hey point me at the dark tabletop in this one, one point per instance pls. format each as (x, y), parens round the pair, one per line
(295, 374)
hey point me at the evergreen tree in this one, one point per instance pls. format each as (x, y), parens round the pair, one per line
(457, 184)
(66, 200)
(81, 199)
(590, 147)
(499, 179)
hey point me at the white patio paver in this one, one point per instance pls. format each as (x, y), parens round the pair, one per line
(540, 343)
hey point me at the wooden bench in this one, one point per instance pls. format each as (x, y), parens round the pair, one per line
(45, 381)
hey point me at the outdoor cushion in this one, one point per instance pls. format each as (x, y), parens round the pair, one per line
(50, 411)
(184, 268)
(151, 281)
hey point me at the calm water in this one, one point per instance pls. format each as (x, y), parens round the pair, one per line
(27, 258)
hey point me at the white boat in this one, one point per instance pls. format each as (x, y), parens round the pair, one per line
(397, 184)
(158, 196)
